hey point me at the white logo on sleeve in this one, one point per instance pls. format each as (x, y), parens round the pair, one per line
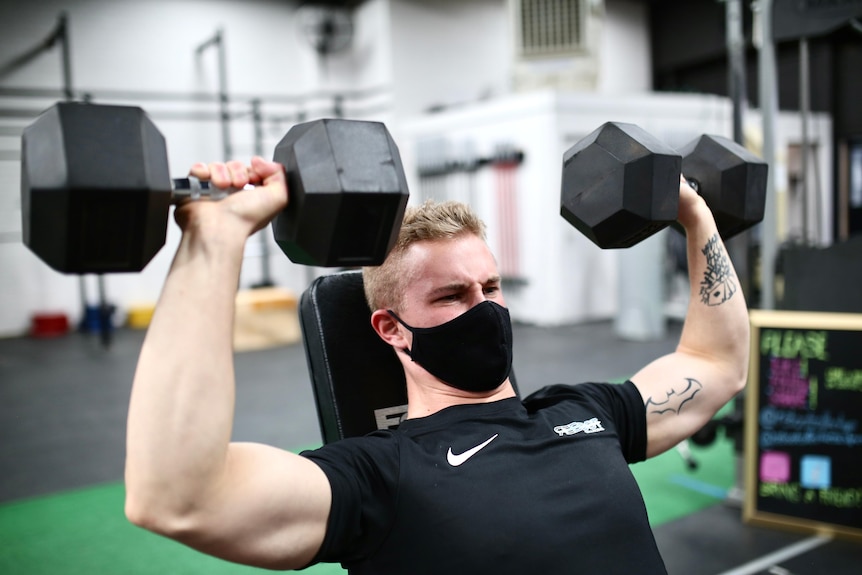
(456, 460)
(589, 426)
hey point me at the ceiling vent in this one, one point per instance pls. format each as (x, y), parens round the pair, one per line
(556, 43)
(550, 27)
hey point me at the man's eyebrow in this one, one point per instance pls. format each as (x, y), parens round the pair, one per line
(458, 286)
(450, 287)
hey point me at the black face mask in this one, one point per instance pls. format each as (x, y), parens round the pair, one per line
(472, 352)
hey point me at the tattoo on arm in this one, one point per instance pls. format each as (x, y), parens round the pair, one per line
(674, 399)
(718, 284)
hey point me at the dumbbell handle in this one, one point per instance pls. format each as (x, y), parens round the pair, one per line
(191, 188)
(695, 185)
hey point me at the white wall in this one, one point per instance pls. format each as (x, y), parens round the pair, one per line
(419, 53)
(448, 52)
(416, 53)
(149, 46)
(626, 58)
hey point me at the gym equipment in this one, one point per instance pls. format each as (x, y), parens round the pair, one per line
(357, 381)
(621, 185)
(730, 178)
(732, 423)
(96, 191)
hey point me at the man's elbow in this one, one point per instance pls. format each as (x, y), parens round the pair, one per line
(154, 517)
(739, 383)
(139, 513)
(739, 373)
(740, 358)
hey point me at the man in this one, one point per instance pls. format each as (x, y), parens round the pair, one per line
(474, 481)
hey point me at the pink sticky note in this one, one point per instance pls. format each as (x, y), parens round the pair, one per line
(775, 466)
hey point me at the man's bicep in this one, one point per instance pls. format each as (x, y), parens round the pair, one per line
(681, 393)
(270, 510)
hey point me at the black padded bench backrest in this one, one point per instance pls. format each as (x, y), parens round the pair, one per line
(358, 382)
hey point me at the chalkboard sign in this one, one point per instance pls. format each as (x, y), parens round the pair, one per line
(803, 423)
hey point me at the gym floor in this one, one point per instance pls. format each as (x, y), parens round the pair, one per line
(63, 404)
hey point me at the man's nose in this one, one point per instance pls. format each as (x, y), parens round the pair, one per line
(477, 296)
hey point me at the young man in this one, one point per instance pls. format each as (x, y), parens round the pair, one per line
(475, 480)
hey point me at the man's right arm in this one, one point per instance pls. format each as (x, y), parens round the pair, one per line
(247, 503)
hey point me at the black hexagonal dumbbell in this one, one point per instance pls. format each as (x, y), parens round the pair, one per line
(730, 178)
(348, 192)
(620, 184)
(95, 190)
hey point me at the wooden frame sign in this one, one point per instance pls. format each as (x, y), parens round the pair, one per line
(803, 423)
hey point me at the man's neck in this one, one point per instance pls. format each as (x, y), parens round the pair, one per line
(425, 399)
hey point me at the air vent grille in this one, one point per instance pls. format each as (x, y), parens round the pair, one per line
(550, 27)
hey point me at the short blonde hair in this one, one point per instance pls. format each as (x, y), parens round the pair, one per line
(429, 221)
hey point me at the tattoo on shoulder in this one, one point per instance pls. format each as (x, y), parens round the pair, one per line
(675, 398)
(718, 284)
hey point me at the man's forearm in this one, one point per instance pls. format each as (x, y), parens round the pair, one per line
(181, 410)
(716, 324)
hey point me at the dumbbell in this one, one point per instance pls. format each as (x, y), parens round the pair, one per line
(620, 184)
(96, 190)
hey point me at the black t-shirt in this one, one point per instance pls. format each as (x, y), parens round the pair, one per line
(539, 486)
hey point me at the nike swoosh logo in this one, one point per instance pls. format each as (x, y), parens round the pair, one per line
(456, 460)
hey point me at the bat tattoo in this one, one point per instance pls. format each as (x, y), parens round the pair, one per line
(718, 284)
(675, 399)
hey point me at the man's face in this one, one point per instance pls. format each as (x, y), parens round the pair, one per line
(445, 278)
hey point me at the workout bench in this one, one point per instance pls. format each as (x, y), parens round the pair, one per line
(357, 381)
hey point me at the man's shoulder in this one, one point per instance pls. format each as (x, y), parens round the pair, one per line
(609, 396)
(376, 445)
(558, 392)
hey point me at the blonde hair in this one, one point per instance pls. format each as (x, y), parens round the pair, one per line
(427, 222)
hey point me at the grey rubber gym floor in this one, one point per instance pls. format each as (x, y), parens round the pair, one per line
(63, 406)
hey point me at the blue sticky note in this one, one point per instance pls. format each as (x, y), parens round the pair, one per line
(816, 472)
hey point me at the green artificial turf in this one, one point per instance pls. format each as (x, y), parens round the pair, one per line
(85, 531)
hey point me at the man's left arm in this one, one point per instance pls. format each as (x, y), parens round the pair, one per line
(683, 390)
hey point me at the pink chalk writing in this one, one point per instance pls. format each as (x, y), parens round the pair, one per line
(787, 387)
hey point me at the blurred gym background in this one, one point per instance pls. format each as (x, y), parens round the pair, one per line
(483, 98)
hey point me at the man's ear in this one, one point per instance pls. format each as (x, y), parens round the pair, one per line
(388, 329)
